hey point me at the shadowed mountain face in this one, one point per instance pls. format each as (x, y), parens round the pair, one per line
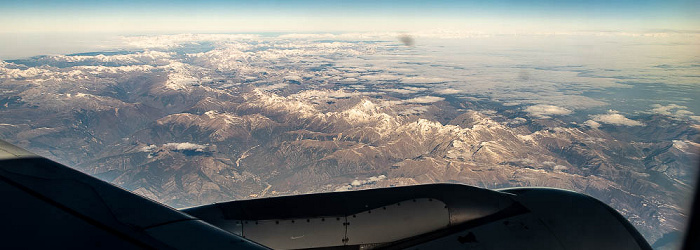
(195, 119)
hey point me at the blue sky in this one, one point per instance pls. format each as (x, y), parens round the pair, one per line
(339, 16)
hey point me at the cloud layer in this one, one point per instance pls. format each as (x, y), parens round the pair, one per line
(613, 118)
(545, 111)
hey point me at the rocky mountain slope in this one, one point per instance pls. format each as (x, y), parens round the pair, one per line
(256, 119)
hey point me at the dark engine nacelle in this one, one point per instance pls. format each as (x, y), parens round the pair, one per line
(436, 216)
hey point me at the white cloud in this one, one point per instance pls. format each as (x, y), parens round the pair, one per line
(96, 70)
(343, 36)
(174, 146)
(184, 146)
(85, 66)
(348, 80)
(518, 120)
(369, 180)
(675, 111)
(424, 99)
(545, 111)
(666, 110)
(146, 57)
(293, 78)
(148, 148)
(405, 90)
(592, 124)
(380, 77)
(614, 118)
(169, 41)
(358, 183)
(420, 79)
(400, 91)
(322, 95)
(432, 33)
(10, 70)
(417, 100)
(447, 91)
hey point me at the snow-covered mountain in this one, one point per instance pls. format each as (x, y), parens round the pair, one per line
(192, 120)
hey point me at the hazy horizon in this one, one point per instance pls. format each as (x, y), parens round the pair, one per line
(193, 103)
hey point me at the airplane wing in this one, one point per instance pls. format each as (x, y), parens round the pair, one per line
(48, 205)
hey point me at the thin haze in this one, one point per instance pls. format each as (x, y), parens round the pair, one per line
(31, 28)
(342, 16)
